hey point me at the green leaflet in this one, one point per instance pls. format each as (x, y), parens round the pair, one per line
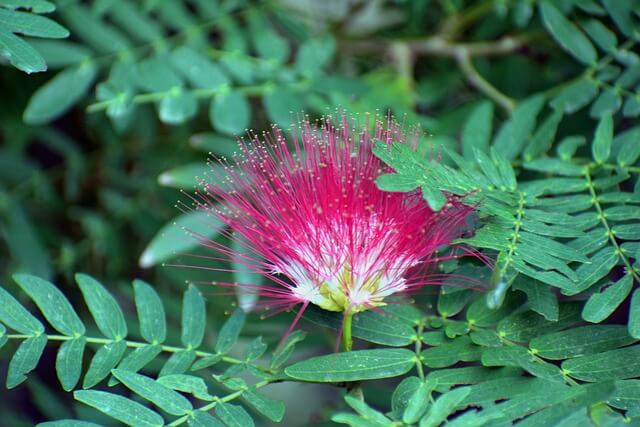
(14, 315)
(178, 363)
(153, 325)
(147, 388)
(460, 349)
(366, 411)
(601, 146)
(354, 366)
(69, 362)
(122, 409)
(476, 132)
(417, 404)
(230, 331)
(105, 359)
(514, 133)
(25, 360)
(615, 364)
(193, 318)
(580, 341)
(181, 235)
(634, 315)
(187, 384)
(103, 306)
(233, 415)
(601, 304)
(230, 113)
(522, 327)
(443, 406)
(60, 93)
(54, 305)
(567, 34)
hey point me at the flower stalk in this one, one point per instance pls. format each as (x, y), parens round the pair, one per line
(347, 339)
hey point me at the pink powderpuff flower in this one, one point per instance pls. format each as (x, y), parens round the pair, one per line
(316, 224)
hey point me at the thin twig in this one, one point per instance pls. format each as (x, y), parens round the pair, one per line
(475, 78)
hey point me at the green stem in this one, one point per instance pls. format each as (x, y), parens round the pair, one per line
(418, 348)
(347, 340)
(135, 344)
(609, 231)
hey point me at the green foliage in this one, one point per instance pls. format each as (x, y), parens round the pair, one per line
(531, 107)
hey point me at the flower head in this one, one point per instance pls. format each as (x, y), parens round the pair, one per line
(320, 228)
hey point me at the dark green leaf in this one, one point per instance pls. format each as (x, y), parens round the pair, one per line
(521, 357)
(282, 353)
(103, 307)
(229, 112)
(367, 412)
(187, 384)
(567, 34)
(153, 325)
(444, 406)
(580, 341)
(177, 106)
(197, 69)
(105, 359)
(575, 95)
(601, 147)
(14, 315)
(600, 265)
(59, 94)
(270, 408)
(314, 54)
(69, 362)
(178, 363)
(160, 395)
(140, 357)
(25, 360)
(607, 103)
(522, 327)
(460, 349)
(31, 24)
(543, 138)
(52, 303)
(601, 304)
(604, 38)
(230, 331)
(634, 315)
(202, 419)
(354, 366)
(417, 404)
(610, 365)
(233, 415)
(515, 132)
(181, 234)
(476, 132)
(194, 318)
(122, 409)
(282, 105)
(540, 298)
(21, 54)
